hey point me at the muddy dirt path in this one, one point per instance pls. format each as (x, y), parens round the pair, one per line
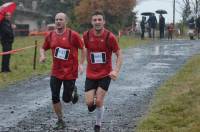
(27, 106)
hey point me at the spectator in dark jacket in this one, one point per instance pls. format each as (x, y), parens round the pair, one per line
(198, 25)
(142, 26)
(152, 21)
(7, 38)
(191, 25)
(161, 26)
(149, 26)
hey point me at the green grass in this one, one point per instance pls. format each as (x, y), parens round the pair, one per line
(22, 62)
(176, 104)
(127, 41)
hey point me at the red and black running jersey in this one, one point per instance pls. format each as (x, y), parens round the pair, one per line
(99, 53)
(64, 53)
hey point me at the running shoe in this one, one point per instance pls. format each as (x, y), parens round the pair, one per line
(60, 124)
(75, 95)
(91, 108)
(97, 128)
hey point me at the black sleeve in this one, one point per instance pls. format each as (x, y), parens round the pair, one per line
(6, 29)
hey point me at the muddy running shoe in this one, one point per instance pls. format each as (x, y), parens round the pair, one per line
(96, 128)
(91, 108)
(60, 124)
(75, 95)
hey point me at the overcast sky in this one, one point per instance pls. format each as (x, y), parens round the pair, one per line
(153, 5)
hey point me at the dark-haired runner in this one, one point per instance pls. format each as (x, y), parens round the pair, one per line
(100, 44)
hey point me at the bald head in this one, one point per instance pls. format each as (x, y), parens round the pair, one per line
(60, 20)
(61, 15)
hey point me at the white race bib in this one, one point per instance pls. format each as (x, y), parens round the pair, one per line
(61, 53)
(98, 57)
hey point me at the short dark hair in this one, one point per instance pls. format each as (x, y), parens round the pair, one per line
(98, 12)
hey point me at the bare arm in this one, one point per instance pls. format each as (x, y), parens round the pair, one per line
(82, 59)
(118, 61)
(114, 73)
(42, 55)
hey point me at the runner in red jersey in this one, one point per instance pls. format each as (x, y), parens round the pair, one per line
(100, 44)
(65, 66)
(64, 44)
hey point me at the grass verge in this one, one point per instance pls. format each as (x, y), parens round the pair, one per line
(176, 104)
(127, 41)
(21, 63)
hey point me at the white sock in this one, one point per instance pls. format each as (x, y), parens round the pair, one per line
(99, 115)
(60, 116)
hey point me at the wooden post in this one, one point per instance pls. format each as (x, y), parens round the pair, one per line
(35, 56)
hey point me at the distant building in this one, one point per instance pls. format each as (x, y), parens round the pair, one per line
(27, 18)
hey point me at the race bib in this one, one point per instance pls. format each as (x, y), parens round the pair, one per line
(98, 57)
(61, 53)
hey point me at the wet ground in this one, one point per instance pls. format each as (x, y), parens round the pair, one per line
(26, 106)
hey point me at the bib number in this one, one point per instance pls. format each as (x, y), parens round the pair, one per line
(61, 53)
(98, 57)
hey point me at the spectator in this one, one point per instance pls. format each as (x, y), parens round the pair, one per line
(142, 26)
(152, 24)
(191, 25)
(161, 26)
(7, 38)
(198, 25)
(149, 26)
(170, 30)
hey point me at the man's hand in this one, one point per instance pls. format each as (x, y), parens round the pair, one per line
(42, 55)
(113, 75)
(80, 69)
(42, 59)
(13, 26)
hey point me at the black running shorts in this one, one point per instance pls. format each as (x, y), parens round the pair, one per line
(94, 84)
(68, 87)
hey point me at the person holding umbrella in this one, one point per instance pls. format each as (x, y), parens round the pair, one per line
(7, 38)
(152, 24)
(161, 25)
(142, 26)
(146, 24)
(6, 34)
(161, 22)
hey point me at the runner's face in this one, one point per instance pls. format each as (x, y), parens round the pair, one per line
(60, 21)
(98, 22)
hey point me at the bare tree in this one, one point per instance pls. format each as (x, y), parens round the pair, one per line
(185, 9)
(189, 8)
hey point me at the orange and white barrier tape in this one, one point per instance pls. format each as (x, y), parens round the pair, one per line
(16, 50)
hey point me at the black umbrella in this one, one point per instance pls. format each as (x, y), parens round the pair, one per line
(147, 13)
(161, 11)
